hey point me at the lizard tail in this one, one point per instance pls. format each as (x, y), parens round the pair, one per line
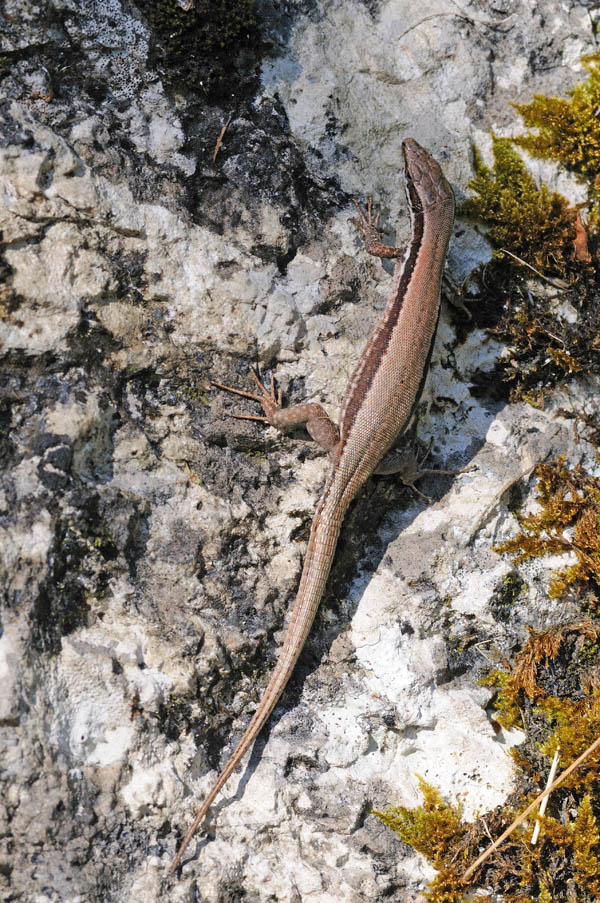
(319, 555)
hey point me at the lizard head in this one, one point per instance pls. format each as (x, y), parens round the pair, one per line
(426, 184)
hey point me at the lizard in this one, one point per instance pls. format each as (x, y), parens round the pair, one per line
(380, 399)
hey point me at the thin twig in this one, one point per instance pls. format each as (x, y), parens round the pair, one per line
(220, 139)
(489, 22)
(462, 15)
(565, 774)
(544, 803)
(556, 283)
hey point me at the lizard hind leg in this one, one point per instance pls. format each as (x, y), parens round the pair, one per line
(313, 417)
(405, 464)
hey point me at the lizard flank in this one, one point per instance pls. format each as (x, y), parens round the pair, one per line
(380, 399)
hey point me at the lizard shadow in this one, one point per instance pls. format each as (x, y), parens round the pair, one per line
(381, 513)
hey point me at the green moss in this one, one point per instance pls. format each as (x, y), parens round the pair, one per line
(446, 887)
(533, 228)
(521, 684)
(195, 394)
(537, 225)
(568, 521)
(434, 829)
(431, 829)
(586, 847)
(568, 130)
(532, 223)
(505, 596)
(256, 455)
(575, 725)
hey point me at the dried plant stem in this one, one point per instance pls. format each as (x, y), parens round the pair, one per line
(544, 803)
(557, 283)
(565, 774)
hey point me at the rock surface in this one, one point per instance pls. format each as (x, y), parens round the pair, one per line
(150, 546)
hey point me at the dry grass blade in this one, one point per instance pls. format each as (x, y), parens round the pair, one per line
(556, 283)
(520, 818)
(551, 775)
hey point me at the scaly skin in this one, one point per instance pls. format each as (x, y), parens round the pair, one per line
(380, 399)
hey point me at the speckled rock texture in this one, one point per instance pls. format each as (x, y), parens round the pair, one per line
(150, 545)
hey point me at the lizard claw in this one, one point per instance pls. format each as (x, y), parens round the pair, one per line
(273, 395)
(270, 398)
(368, 226)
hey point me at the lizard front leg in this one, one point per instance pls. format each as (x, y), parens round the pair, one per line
(367, 225)
(318, 423)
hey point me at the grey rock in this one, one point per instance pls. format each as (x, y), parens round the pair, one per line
(150, 546)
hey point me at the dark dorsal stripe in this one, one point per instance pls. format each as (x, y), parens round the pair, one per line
(384, 331)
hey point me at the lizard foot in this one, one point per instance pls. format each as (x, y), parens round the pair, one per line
(270, 398)
(367, 226)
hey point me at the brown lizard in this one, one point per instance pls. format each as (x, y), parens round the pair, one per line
(380, 399)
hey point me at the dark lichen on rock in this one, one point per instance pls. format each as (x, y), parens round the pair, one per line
(505, 596)
(202, 48)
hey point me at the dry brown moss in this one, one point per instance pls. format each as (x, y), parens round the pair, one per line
(567, 521)
(545, 347)
(521, 682)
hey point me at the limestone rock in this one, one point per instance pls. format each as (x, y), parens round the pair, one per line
(149, 545)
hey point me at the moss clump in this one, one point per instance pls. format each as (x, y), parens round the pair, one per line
(431, 829)
(532, 223)
(568, 521)
(586, 846)
(434, 829)
(533, 228)
(568, 130)
(575, 725)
